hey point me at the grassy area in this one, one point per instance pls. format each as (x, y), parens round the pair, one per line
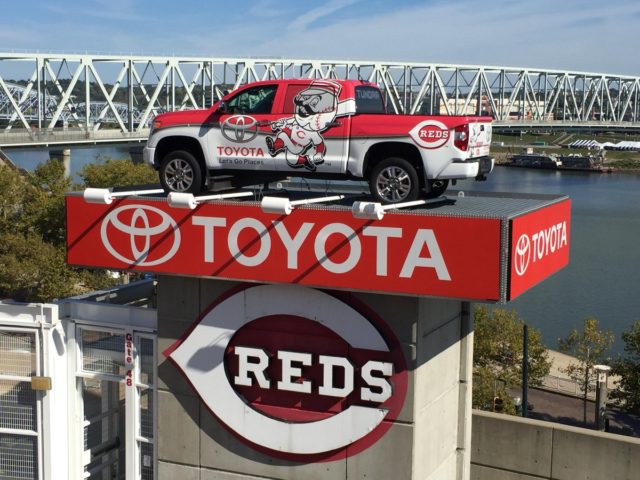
(626, 163)
(527, 138)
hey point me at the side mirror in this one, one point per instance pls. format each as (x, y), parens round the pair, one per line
(222, 107)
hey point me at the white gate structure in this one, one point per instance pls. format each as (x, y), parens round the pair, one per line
(78, 390)
(28, 333)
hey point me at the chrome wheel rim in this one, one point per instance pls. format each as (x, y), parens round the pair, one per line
(393, 184)
(179, 175)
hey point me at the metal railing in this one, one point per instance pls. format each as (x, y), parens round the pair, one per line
(68, 136)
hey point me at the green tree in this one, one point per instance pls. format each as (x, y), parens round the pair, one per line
(117, 173)
(627, 391)
(498, 354)
(590, 347)
(13, 197)
(33, 228)
(33, 270)
(44, 210)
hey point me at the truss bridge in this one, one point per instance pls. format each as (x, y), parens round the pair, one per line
(68, 98)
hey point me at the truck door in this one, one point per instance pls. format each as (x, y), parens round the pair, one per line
(311, 135)
(236, 140)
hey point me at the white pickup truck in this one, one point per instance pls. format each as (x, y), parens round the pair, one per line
(328, 129)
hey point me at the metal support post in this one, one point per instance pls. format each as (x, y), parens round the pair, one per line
(525, 370)
(601, 395)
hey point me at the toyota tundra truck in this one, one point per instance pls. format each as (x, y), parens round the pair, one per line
(325, 129)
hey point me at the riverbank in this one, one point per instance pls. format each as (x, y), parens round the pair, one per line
(618, 161)
(559, 381)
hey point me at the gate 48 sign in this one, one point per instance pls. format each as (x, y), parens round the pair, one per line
(295, 371)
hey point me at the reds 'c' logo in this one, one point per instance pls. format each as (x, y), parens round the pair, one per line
(295, 370)
(430, 134)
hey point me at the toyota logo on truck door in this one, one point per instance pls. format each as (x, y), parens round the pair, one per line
(295, 370)
(240, 128)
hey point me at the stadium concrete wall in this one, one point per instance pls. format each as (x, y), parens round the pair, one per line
(512, 448)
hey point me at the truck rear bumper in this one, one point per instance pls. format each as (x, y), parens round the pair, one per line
(472, 168)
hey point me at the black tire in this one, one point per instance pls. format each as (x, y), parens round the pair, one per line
(181, 172)
(437, 188)
(394, 180)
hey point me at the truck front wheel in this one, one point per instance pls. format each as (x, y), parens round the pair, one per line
(394, 180)
(180, 172)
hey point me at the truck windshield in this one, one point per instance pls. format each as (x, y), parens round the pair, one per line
(369, 100)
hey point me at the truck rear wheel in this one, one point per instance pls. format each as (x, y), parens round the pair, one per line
(394, 180)
(181, 172)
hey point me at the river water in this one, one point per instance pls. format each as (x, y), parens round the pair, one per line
(603, 276)
(29, 159)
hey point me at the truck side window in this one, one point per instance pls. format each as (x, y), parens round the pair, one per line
(256, 100)
(369, 100)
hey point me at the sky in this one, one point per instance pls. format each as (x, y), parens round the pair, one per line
(578, 35)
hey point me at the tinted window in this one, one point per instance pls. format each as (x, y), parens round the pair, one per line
(369, 100)
(254, 100)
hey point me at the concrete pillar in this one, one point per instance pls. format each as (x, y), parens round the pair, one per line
(429, 439)
(136, 154)
(64, 155)
(601, 395)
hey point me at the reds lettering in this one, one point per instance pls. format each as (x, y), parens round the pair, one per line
(292, 241)
(549, 240)
(433, 133)
(256, 360)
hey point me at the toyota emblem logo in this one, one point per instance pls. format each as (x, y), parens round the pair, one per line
(130, 232)
(522, 254)
(240, 128)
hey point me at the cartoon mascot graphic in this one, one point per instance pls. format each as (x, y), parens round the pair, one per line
(299, 137)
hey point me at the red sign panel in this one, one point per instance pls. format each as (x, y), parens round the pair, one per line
(402, 253)
(539, 246)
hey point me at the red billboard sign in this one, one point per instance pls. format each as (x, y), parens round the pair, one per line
(539, 246)
(407, 253)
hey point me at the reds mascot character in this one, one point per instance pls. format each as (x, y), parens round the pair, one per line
(316, 107)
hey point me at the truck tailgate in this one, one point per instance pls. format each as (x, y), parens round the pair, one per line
(479, 138)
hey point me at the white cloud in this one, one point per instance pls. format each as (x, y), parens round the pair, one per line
(572, 35)
(110, 10)
(578, 35)
(308, 19)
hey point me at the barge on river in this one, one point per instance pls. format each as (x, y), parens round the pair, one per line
(555, 162)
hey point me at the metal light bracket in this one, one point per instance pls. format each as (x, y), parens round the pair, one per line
(284, 206)
(104, 196)
(188, 200)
